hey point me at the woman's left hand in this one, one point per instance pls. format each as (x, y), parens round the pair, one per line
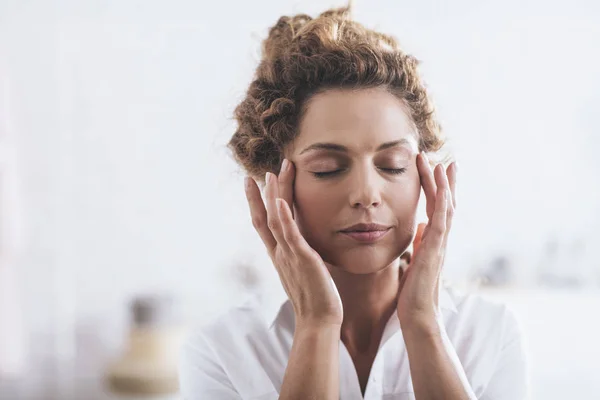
(418, 300)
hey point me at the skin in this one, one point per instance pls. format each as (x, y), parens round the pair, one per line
(366, 189)
(374, 174)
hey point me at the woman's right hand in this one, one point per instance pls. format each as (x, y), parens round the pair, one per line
(302, 271)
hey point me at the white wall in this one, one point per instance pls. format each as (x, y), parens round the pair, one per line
(122, 110)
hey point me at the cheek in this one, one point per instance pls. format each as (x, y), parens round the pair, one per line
(303, 192)
(316, 207)
(412, 194)
(405, 200)
(310, 203)
(310, 192)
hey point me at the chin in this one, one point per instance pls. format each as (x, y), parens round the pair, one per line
(364, 259)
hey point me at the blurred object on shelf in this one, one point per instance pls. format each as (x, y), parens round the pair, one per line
(149, 363)
(498, 272)
(564, 264)
(12, 334)
(247, 275)
(583, 260)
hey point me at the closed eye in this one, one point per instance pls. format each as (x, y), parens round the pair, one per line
(325, 174)
(395, 171)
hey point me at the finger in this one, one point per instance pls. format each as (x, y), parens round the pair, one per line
(273, 222)
(436, 293)
(437, 230)
(449, 219)
(451, 173)
(258, 213)
(427, 181)
(443, 181)
(286, 183)
(291, 233)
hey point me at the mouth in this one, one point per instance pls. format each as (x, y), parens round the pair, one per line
(366, 233)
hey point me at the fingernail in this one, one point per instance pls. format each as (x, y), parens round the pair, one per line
(247, 183)
(267, 177)
(284, 165)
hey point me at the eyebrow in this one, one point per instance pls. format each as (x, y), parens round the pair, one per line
(344, 149)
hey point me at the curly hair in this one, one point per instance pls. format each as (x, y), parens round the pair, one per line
(303, 56)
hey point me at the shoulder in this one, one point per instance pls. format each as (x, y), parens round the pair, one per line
(237, 323)
(235, 350)
(487, 336)
(479, 309)
(482, 320)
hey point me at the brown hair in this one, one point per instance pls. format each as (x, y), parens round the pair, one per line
(303, 56)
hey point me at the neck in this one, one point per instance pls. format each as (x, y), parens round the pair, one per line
(368, 301)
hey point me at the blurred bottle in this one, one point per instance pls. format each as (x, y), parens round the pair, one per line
(148, 366)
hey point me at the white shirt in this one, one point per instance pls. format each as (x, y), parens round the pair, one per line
(243, 354)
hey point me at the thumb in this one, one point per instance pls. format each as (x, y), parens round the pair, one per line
(418, 238)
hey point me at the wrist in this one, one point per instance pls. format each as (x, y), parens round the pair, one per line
(317, 327)
(421, 327)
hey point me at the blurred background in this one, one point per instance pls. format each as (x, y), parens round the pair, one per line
(122, 210)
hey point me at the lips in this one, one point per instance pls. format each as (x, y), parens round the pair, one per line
(366, 227)
(366, 232)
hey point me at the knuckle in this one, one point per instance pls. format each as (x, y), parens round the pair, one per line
(294, 239)
(257, 222)
(438, 229)
(289, 238)
(272, 225)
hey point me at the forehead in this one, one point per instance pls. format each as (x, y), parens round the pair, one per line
(358, 119)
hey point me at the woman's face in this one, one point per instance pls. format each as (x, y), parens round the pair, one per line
(355, 158)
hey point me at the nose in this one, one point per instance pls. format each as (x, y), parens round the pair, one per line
(364, 190)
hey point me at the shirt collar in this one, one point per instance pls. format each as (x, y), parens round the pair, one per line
(272, 303)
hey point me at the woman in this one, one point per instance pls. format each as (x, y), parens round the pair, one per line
(336, 126)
